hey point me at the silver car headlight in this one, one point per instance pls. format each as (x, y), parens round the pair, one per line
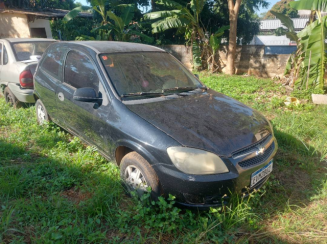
(195, 161)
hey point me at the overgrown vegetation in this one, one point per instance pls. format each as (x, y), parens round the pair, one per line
(307, 66)
(54, 189)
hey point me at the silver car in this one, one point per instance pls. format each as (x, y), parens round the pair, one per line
(18, 61)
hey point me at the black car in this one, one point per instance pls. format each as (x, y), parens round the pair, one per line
(144, 110)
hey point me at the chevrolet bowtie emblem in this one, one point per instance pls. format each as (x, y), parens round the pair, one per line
(260, 150)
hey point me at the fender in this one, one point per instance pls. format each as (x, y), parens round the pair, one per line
(137, 148)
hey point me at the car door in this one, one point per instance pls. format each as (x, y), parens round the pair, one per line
(79, 72)
(48, 76)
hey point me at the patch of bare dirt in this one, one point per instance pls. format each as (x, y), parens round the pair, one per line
(76, 196)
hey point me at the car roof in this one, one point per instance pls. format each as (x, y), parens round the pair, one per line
(116, 47)
(13, 40)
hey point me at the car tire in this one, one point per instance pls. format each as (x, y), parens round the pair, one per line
(11, 99)
(41, 113)
(137, 175)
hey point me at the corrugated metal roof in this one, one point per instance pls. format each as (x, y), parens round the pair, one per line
(273, 24)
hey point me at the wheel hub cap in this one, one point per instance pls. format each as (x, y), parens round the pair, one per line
(135, 179)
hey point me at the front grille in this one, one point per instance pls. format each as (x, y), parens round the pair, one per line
(258, 159)
(245, 150)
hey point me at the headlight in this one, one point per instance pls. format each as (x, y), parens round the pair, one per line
(195, 161)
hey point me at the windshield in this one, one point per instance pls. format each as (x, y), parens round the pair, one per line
(146, 73)
(24, 50)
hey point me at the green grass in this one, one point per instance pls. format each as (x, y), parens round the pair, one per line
(54, 189)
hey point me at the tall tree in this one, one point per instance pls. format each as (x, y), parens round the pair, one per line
(284, 8)
(234, 8)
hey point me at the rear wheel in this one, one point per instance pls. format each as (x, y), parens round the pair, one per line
(11, 99)
(41, 113)
(137, 175)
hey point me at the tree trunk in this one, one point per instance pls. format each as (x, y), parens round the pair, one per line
(233, 15)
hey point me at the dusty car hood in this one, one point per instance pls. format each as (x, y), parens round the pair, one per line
(209, 121)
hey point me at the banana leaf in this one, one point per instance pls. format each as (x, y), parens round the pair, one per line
(214, 43)
(222, 29)
(161, 14)
(126, 12)
(289, 65)
(288, 23)
(318, 5)
(197, 6)
(119, 23)
(315, 59)
(169, 23)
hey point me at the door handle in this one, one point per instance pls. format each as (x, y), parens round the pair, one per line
(61, 96)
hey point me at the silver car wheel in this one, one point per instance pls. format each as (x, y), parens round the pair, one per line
(41, 114)
(135, 179)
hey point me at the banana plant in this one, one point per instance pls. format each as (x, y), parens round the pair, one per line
(215, 41)
(181, 17)
(312, 47)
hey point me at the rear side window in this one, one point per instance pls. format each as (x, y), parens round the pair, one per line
(80, 71)
(52, 61)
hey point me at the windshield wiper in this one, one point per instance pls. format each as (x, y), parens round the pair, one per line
(136, 94)
(183, 89)
(179, 89)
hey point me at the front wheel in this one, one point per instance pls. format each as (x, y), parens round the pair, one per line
(138, 175)
(11, 98)
(41, 113)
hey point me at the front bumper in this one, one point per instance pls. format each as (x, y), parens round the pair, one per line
(203, 191)
(23, 95)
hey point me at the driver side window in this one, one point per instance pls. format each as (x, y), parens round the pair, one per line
(80, 72)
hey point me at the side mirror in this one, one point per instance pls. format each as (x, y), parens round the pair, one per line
(86, 94)
(197, 76)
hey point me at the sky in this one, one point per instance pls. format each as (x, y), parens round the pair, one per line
(271, 3)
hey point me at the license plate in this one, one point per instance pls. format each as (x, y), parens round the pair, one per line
(261, 173)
